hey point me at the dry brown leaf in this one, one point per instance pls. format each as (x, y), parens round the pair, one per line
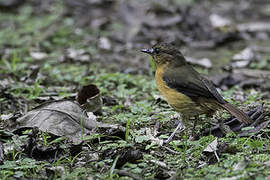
(61, 118)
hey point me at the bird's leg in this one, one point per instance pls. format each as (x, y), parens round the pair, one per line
(180, 125)
(192, 136)
(224, 128)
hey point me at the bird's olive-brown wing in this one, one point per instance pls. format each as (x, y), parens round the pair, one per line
(189, 82)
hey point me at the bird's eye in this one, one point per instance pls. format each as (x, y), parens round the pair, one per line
(157, 50)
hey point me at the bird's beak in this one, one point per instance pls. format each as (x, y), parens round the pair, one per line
(148, 51)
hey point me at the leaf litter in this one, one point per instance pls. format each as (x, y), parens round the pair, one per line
(132, 25)
(62, 118)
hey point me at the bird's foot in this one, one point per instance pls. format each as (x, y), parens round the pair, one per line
(180, 125)
(225, 129)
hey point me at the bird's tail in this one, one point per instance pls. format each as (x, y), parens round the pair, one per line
(240, 115)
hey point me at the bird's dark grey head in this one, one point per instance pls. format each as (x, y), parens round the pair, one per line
(163, 53)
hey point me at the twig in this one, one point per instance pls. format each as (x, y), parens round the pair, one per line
(170, 150)
(159, 163)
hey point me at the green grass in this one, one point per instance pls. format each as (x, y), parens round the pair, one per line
(136, 109)
(136, 117)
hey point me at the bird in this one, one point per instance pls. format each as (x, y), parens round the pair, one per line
(186, 90)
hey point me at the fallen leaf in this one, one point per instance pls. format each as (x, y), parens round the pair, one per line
(32, 76)
(38, 55)
(243, 58)
(212, 147)
(89, 98)
(159, 163)
(240, 165)
(154, 140)
(211, 152)
(267, 163)
(204, 62)
(77, 55)
(253, 73)
(5, 117)
(246, 54)
(104, 43)
(218, 21)
(109, 101)
(254, 26)
(240, 64)
(128, 155)
(61, 118)
(163, 21)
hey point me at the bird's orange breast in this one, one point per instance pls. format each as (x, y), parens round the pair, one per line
(179, 101)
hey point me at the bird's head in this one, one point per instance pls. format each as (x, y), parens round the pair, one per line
(164, 53)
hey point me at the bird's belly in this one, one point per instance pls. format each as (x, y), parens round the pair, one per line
(179, 101)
